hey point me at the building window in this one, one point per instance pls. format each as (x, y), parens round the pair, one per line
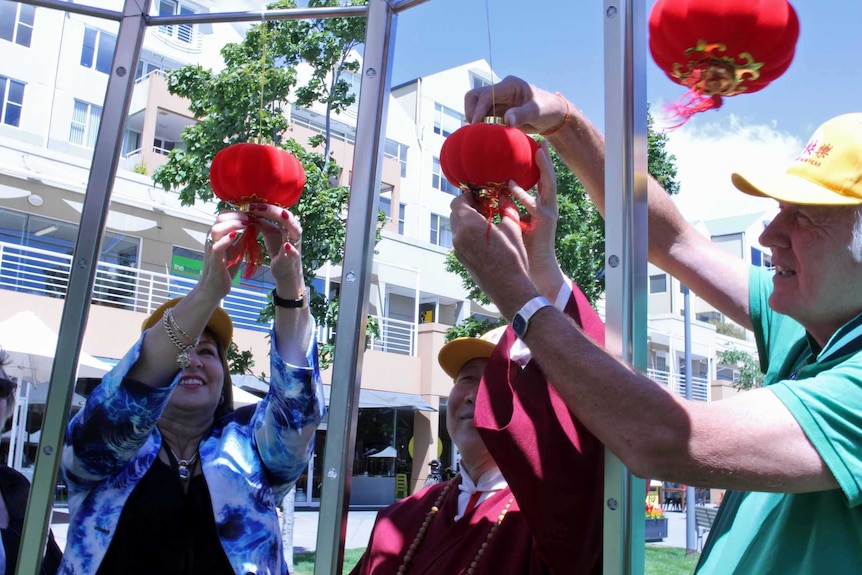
(131, 143)
(446, 120)
(163, 147)
(439, 181)
(11, 101)
(402, 209)
(441, 233)
(385, 203)
(144, 69)
(85, 124)
(479, 81)
(98, 50)
(353, 82)
(22, 270)
(182, 32)
(396, 151)
(760, 259)
(658, 283)
(16, 22)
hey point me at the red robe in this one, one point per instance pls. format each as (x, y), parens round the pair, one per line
(554, 525)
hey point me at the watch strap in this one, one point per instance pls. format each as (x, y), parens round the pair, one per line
(288, 303)
(522, 318)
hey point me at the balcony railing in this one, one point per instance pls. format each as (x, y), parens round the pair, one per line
(46, 273)
(675, 382)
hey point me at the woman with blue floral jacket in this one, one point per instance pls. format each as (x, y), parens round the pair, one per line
(163, 475)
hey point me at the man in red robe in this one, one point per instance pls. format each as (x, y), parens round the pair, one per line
(528, 499)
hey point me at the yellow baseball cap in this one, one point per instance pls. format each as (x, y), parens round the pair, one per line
(459, 351)
(220, 323)
(827, 172)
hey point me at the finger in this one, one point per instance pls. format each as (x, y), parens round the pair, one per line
(547, 177)
(471, 100)
(523, 196)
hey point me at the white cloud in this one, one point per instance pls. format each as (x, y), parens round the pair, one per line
(708, 153)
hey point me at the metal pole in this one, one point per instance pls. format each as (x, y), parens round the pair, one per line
(690, 536)
(355, 286)
(626, 263)
(84, 260)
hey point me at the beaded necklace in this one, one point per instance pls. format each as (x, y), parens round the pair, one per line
(411, 551)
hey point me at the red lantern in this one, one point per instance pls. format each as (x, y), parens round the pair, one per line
(482, 158)
(719, 49)
(247, 173)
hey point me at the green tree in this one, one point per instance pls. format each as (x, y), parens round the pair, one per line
(247, 101)
(330, 44)
(580, 239)
(748, 364)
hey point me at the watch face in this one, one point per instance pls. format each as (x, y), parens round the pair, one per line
(519, 325)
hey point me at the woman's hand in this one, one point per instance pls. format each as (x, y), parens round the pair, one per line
(282, 236)
(222, 246)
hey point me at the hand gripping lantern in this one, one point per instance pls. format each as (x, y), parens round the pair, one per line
(483, 158)
(247, 173)
(720, 49)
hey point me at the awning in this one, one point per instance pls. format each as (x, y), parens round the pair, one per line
(375, 398)
(367, 397)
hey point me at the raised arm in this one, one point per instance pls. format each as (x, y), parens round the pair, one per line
(750, 442)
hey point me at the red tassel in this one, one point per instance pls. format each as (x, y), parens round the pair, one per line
(493, 200)
(249, 252)
(689, 104)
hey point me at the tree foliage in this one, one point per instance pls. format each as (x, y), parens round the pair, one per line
(748, 364)
(248, 100)
(580, 239)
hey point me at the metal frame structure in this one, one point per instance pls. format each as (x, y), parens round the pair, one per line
(625, 127)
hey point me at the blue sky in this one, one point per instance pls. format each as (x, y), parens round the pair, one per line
(558, 45)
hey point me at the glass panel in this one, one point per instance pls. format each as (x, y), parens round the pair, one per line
(7, 20)
(14, 104)
(79, 123)
(107, 44)
(88, 49)
(93, 125)
(25, 24)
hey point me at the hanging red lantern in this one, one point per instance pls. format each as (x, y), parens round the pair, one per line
(483, 158)
(248, 173)
(721, 49)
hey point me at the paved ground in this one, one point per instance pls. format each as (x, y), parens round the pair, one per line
(360, 523)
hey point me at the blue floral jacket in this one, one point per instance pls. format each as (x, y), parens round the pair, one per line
(250, 460)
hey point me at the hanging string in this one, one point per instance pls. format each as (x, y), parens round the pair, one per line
(490, 59)
(262, 73)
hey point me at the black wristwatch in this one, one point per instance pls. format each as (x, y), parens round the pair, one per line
(521, 321)
(289, 303)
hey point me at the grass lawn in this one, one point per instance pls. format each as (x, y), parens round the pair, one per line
(659, 561)
(668, 561)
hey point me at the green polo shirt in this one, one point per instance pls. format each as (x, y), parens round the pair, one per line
(809, 533)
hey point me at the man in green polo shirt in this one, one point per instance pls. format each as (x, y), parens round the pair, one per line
(790, 452)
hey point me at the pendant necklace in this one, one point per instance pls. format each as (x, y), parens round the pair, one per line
(183, 464)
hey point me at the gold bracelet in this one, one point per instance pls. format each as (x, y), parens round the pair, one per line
(183, 358)
(169, 316)
(565, 120)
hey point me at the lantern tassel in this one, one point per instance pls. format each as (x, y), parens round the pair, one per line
(691, 103)
(493, 200)
(249, 252)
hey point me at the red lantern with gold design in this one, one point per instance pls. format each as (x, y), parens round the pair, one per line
(720, 49)
(247, 173)
(483, 158)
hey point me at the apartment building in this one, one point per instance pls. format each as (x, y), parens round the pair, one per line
(53, 75)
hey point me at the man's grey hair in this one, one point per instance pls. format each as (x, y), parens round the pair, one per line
(856, 240)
